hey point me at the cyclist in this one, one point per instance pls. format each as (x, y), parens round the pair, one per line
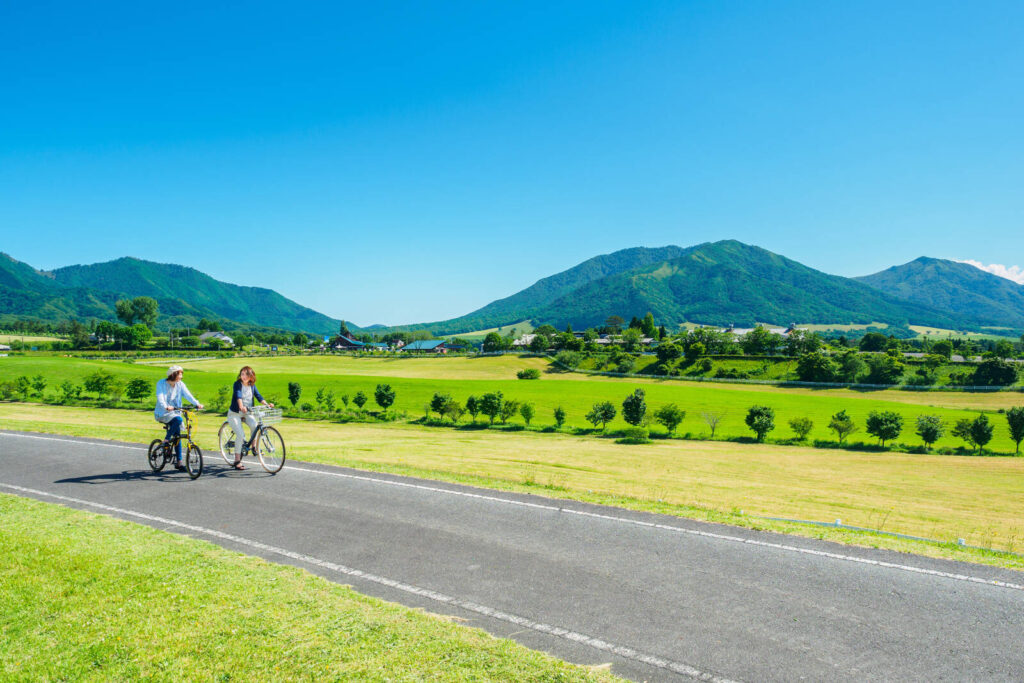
(243, 395)
(169, 394)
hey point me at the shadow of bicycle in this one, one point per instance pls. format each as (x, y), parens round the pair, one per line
(168, 475)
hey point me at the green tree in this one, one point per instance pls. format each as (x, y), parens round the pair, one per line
(816, 367)
(559, 416)
(648, 327)
(125, 311)
(843, 425)
(359, 399)
(329, 400)
(146, 310)
(490, 404)
(632, 338)
(851, 366)
(527, 411)
(440, 402)
(494, 342)
(1015, 420)
(508, 409)
(38, 385)
(712, 420)
(1003, 349)
(98, 382)
(930, 428)
(760, 420)
(943, 348)
(760, 342)
(137, 389)
(321, 394)
(995, 372)
(613, 324)
(220, 402)
(294, 393)
(601, 414)
(22, 386)
(668, 352)
(801, 426)
(384, 395)
(695, 351)
(873, 341)
(634, 408)
(473, 406)
(298, 340)
(69, 392)
(885, 425)
(884, 369)
(981, 431)
(539, 343)
(671, 416)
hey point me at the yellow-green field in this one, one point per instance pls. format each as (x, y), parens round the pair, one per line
(28, 338)
(92, 598)
(941, 497)
(416, 379)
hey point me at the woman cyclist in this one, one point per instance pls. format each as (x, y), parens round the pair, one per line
(243, 395)
(169, 394)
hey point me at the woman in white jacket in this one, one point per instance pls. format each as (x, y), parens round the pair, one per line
(169, 394)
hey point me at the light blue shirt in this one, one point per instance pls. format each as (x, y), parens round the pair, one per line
(168, 397)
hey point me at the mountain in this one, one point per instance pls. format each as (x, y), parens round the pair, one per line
(187, 291)
(729, 282)
(959, 288)
(526, 303)
(184, 295)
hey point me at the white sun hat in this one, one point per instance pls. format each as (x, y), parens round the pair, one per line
(174, 369)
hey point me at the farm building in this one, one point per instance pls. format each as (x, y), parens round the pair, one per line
(219, 336)
(345, 343)
(427, 346)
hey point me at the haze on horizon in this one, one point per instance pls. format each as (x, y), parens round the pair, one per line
(388, 164)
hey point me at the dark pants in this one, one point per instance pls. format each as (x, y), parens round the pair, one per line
(173, 430)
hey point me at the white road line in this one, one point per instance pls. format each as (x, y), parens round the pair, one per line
(611, 518)
(574, 636)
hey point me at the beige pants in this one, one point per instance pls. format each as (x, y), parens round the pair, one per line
(235, 420)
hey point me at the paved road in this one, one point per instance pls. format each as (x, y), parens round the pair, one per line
(658, 597)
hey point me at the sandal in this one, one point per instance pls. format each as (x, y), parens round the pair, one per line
(238, 465)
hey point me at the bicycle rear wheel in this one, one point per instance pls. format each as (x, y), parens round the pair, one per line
(226, 439)
(271, 450)
(156, 455)
(194, 461)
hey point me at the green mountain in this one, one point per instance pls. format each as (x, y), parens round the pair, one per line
(184, 294)
(730, 282)
(186, 291)
(526, 303)
(959, 288)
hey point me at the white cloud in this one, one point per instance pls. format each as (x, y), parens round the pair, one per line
(1014, 273)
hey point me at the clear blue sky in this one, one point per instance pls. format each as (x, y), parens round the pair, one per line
(410, 162)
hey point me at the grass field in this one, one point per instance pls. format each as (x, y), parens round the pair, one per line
(522, 327)
(28, 338)
(941, 497)
(416, 379)
(87, 597)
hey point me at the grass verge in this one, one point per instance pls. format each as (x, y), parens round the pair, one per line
(88, 597)
(940, 497)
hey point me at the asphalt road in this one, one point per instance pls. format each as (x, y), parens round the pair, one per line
(659, 598)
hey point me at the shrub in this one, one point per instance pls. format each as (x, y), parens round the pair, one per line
(99, 382)
(569, 359)
(38, 384)
(634, 408)
(886, 425)
(220, 402)
(760, 420)
(995, 372)
(384, 396)
(527, 411)
(601, 414)
(634, 435)
(69, 392)
(359, 399)
(559, 416)
(528, 373)
(801, 426)
(137, 388)
(671, 416)
(930, 428)
(843, 425)
(306, 407)
(294, 392)
(490, 404)
(816, 367)
(508, 409)
(329, 400)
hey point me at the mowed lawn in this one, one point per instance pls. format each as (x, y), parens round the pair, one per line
(941, 497)
(416, 379)
(87, 597)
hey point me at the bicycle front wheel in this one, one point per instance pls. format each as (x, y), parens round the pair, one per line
(226, 439)
(194, 461)
(271, 450)
(156, 455)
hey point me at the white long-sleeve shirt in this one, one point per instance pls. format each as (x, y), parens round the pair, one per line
(169, 396)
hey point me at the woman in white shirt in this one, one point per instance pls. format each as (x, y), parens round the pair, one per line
(169, 394)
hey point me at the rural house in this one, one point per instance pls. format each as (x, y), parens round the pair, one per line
(427, 346)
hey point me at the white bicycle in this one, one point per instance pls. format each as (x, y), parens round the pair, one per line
(265, 442)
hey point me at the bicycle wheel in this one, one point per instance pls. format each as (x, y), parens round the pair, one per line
(156, 455)
(194, 461)
(226, 439)
(271, 450)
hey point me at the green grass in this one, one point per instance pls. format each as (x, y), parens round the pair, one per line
(416, 379)
(87, 597)
(939, 497)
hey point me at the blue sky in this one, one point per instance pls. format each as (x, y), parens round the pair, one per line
(393, 163)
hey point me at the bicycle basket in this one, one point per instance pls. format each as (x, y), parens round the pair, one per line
(268, 416)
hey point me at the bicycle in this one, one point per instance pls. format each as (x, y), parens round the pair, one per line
(266, 442)
(161, 451)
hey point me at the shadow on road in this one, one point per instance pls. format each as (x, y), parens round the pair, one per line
(170, 475)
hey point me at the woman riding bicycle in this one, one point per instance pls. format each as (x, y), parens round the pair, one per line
(169, 394)
(243, 395)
